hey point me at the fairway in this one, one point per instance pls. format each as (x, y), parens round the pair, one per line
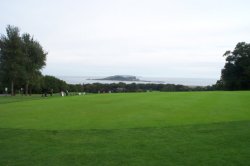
(156, 128)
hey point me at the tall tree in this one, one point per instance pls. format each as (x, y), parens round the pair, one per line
(35, 59)
(21, 59)
(236, 72)
(12, 59)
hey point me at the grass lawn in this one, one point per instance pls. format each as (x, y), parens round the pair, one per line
(184, 128)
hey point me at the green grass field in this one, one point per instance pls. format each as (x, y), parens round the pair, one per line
(184, 128)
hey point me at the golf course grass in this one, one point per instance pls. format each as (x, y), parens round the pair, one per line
(175, 128)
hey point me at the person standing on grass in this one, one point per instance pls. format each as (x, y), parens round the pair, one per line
(62, 93)
(6, 91)
(21, 91)
(51, 92)
(44, 92)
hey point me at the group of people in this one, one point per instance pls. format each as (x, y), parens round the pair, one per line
(46, 92)
(66, 93)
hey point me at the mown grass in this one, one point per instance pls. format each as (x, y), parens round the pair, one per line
(191, 128)
(17, 98)
(112, 111)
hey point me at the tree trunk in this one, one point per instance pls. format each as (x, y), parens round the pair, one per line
(12, 88)
(27, 89)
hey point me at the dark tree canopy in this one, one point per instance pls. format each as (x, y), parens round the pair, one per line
(12, 61)
(21, 59)
(236, 72)
(51, 82)
(35, 60)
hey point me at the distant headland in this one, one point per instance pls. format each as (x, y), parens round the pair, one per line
(120, 78)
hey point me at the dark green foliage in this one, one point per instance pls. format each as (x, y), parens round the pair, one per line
(21, 59)
(35, 61)
(218, 86)
(75, 88)
(12, 59)
(122, 87)
(236, 73)
(51, 82)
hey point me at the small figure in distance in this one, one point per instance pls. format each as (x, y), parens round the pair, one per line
(62, 93)
(21, 91)
(6, 91)
(44, 92)
(51, 92)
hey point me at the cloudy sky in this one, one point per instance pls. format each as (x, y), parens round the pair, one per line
(156, 38)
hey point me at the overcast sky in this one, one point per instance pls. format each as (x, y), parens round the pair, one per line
(159, 38)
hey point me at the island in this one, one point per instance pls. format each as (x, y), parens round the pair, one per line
(120, 78)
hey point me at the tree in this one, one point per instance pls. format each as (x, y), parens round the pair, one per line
(236, 72)
(12, 61)
(51, 82)
(21, 59)
(35, 58)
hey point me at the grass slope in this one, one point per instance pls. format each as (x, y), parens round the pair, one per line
(193, 128)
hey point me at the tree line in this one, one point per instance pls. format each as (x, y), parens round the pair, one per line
(133, 87)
